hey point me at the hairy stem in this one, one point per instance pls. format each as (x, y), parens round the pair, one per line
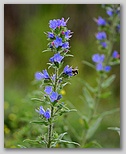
(50, 127)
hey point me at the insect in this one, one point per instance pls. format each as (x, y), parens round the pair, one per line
(75, 71)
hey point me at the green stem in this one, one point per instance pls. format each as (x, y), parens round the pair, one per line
(50, 127)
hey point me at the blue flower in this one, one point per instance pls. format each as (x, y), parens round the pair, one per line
(40, 75)
(53, 24)
(99, 67)
(67, 34)
(65, 45)
(118, 28)
(58, 42)
(48, 89)
(41, 111)
(68, 70)
(53, 96)
(98, 58)
(63, 23)
(109, 12)
(50, 35)
(103, 44)
(53, 77)
(101, 36)
(101, 21)
(107, 68)
(47, 114)
(115, 54)
(56, 58)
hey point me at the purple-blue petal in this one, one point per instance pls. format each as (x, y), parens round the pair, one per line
(56, 58)
(50, 35)
(68, 70)
(98, 58)
(48, 89)
(47, 114)
(53, 96)
(107, 68)
(101, 21)
(101, 36)
(115, 54)
(65, 45)
(41, 110)
(45, 74)
(39, 76)
(58, 42)
(99, 67)
(103, 44)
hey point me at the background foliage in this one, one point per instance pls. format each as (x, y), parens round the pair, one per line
(23, 42)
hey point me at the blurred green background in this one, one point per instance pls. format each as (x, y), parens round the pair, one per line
(24, 41)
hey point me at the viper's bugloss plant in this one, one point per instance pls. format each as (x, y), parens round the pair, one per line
(103, 61)
(51, 83)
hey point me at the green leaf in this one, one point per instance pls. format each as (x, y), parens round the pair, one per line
(93, 127)
(65, 84)
(69, 142)
(21, 146)
(34, 141)
(86, 124)
(62, 135)
(37, 99)
(115, 129)
(108, 81)
(68, 55)
(45, 51)
(105, 95)
(109, 112)
(95, 124)
(90, 87)
(92, 144)
(40, 122)
(88, 64)
(88, 98)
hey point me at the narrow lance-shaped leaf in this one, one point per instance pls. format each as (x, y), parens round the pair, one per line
(93, 128)
(108, 81)
(115, 129)
(40, 122)
(88, 64)
(92, 144)
(88, 98)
